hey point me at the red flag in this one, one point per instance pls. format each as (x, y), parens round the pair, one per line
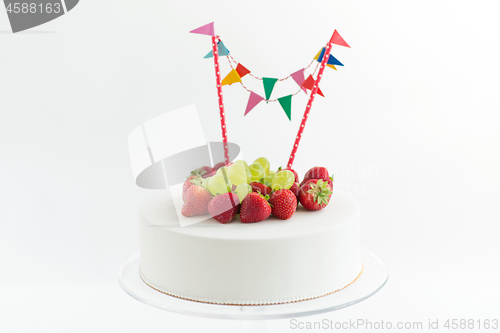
(309, 83)
(242, 70)
(337, 39)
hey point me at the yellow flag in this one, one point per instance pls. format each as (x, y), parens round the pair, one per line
(231, 78)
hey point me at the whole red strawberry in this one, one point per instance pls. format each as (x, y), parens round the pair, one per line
(284, 204)
(223, 207)
(316, 173)
(196, 201)
(315, 194)
(218, 165)
(254, 208)
(260, 188)
(203, 172)
(294, 173)
(192, 180)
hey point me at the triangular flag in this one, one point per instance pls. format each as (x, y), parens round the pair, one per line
(317, 56)
(333, 61)
(242, 71)
(268, 85)
(337, 39)
(320, 54)
(231, 78)
(253, 101)
(331, 66)
(298, 77)
(223, 51)
(309, 83)
(286, 104)
(207, 29)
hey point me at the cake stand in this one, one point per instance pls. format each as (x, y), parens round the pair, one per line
(371, 280)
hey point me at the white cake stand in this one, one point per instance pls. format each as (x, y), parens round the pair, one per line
(373, 278)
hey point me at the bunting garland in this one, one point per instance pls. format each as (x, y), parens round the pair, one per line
(323, 59)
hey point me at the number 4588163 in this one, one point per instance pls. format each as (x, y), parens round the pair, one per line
(25, 7)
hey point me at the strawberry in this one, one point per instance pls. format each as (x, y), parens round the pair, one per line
(316, 173)
(260, 188)
(254, 208)
(294, 173)
(284, 203)
(210, 174)
(295, 189)
(196, 201)
(192, 180)
(218, 165)
(203, 172)
(315, 194)
(223, 207)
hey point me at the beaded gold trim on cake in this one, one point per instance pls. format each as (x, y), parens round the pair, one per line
(264, 302)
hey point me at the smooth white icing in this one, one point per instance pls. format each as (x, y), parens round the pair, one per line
(273, 261)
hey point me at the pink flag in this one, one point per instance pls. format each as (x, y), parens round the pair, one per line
(207, 29)
(298, 77)
(337, 39)
(253, 101)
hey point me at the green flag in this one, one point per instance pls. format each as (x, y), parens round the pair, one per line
(286, 104)
(268, 85)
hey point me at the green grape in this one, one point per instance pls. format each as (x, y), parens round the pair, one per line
(283, 180)
(264, 162)
(237, 174)
(269, 177)
(217, 185)
(219, 171)
(242, 190)
(249, 175)
(205, 182)
(257, 172)
(242, 162)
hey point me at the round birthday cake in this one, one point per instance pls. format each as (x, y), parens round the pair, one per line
(309, 253)
(242, 233)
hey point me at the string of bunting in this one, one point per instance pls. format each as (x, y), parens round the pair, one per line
(238, 71)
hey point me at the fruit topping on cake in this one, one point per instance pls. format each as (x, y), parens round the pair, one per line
(284, 204)
(223, 207)
(196, 201)
(192, 180)
(260, 188)
(315, 194)
(254, 191)
(254, 208)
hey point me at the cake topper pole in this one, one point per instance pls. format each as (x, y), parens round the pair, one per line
(208, 29)
(324, 61)
(220, 99)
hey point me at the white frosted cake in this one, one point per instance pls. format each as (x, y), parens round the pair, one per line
(274, 261)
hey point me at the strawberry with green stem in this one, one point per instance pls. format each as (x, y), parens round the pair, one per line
(315, 194)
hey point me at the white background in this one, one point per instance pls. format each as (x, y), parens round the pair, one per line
(410, 126)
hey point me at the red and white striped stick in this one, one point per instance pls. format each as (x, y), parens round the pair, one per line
(328, 48)
(220, 99)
